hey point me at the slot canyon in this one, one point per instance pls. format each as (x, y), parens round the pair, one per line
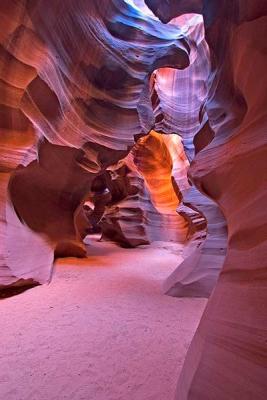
(133, 173)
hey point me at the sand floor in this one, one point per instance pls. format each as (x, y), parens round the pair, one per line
(102, 330)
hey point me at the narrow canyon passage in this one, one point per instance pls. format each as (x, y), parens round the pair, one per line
(101, 330)
(133, 194)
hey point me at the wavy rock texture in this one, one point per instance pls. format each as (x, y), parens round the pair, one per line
(145, 192)
(134, 220)
(179, 96)
(162, 162)
(125, 218)
(75, 73)
(232, 331)
(178, 99)
(205, 253)
(105, 79)
(80, 81)
(227, 358)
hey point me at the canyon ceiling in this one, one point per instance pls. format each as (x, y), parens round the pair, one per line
(144, 120)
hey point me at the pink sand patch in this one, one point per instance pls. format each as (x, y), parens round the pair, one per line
(102, 330)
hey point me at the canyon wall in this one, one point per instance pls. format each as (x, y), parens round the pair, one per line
(178, 99)
(227, 358)
(75, 93)
(81, 81)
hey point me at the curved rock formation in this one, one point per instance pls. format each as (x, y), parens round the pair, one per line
(77, 74)
(80, 82)
(227, 356)
(179, 98)
(229, 341)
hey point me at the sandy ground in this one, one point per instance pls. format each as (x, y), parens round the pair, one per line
(102, 330)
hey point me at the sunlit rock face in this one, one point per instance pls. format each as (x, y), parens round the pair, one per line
(163, 163)
(226, 359)
(135, 201)
(132, 219)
